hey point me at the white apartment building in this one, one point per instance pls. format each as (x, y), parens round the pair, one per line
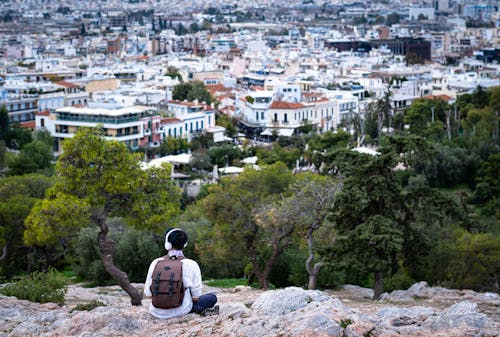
(281, 112)
(195, 117)
(134, 125)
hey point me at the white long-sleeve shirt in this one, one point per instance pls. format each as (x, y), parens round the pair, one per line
(191, 277)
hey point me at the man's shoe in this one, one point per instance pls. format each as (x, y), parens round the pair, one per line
(210, 311)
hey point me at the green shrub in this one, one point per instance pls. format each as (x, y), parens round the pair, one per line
(134, 250)
(88, 306)
(38, 287)
(88, 262)
(227, 282)
(398, 281)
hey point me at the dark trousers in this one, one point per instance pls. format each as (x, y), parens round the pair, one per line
(204, 302)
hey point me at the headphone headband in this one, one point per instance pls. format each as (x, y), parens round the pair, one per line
(168, 245)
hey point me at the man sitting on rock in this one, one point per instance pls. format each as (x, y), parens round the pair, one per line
(193, 301)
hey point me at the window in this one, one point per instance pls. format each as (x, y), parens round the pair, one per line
(256, 115)
(42, 122)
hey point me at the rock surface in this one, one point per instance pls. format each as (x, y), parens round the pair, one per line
(419, 311)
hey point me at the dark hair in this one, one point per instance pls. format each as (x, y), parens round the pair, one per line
(178, 239)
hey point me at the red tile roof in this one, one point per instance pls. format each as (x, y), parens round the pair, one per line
(285, 105)
(443, 97)
(28, 125)
(43, 113)
(67, 84)
(170, 120)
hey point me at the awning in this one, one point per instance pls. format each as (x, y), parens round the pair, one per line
(231, 170)
(281, 132)
(180, 159)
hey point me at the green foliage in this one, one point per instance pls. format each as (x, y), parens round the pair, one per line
(226, 283)
(173, 145)
(173, 73)
(88, 264)
(398, 281)
(230, 124)
(34, 157)
(104, 176)
(3, 150)
(104, 173)
(55, 220)
(368, 214)
(88, 306)
(475, 262)
(17, 137)
(4, 123)
(288, 155)
(419, 115)
(487, 190)
(191, 91)
(238, 230)
(344, 323)
(41, 287)
(133, 250)
(328, 141)
(18, 194)
(224, 155)
(448, 166)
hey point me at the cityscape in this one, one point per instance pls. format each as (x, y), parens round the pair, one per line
(272, 65)
(323, 167)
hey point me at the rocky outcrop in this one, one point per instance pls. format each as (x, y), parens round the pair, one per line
(248, 312)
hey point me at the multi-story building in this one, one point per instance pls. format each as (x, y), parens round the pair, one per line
(195, 117)
(74, 94)
(136, 126)
(283, 111)
(21, 107)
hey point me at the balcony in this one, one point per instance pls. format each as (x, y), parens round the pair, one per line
(99, 120)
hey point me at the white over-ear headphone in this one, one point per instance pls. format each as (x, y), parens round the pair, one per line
(168, 245)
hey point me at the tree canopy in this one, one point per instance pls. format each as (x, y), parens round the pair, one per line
(191, 91)
(102, 177)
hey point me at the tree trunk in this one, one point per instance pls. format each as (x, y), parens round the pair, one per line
(262, 275)
(378, 287)
(313, 276)
(4, 253)
(448, 123)
(313, 271)
(106, 248)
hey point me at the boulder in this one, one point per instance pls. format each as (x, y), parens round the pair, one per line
(358, 291)
(399, 296)
(280, 302)
(463, 314)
